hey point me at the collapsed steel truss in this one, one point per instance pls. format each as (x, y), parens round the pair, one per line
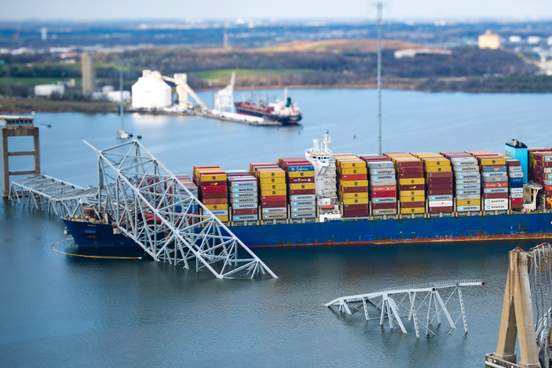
(56, 196)
(429, 301)
(148, 204)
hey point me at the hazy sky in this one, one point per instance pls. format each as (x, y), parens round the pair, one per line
(177, 9)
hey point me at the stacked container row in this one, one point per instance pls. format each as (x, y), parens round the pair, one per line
(187, 182)
(301, 187)
(352, 180)
(382, 183)
(244, 196)
(494, 181)
(410, 172)
(213, 189)
(438, 176)
(540, 163)
(467, 181)
(515, 184)
(273, 192)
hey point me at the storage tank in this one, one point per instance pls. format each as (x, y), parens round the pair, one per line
(151, 92)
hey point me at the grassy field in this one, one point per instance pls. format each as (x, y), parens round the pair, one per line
(221, 74)
(26, 81)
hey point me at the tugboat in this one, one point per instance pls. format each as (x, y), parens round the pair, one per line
(282, 111)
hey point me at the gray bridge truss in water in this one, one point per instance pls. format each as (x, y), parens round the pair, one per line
(423, 306)
(53, 195)
(147, 203)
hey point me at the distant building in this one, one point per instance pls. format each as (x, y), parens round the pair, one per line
(514, 39)
(44, 34)
(533, 40)
(410, 53)
(49, 90)
(489, 40)
(88, 74)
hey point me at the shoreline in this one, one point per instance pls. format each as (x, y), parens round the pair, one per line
(18, 105)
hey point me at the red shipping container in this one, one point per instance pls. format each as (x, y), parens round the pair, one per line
(375, 158)
(404, 188)
(213, 189)
(355, 206)
(439, 191)
(499, 184)
(495, 195)
(440, 209)
(383, 206)
(412, 204)
(273, 204)
(353, 177)
(213, 195)
(354, 189)
(273, 198)
(410, 173)
(383, 193)
(245, 211)
(410, 164)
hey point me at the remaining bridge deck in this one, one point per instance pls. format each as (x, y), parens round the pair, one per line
(54, 195)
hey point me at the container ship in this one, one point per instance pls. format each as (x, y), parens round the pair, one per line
(284, 112)
(332, 199)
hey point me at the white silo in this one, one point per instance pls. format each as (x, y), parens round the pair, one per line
(151, 92)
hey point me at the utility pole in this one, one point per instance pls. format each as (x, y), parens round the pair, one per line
(379, 8)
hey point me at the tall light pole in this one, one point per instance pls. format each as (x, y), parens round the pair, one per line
(379, 7)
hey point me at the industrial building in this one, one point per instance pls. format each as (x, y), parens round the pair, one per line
(150, 92)
(88, 74)
(49, 90)
(489, 40)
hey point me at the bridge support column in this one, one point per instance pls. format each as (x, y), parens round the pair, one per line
(18, 126)
(517, 319)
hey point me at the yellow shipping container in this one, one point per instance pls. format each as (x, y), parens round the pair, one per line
(427, 154)
(271, 173)
(351, 164)
(411, 193)
(412, 198)
(355, 200)
(206, 177)
(498, 160)
(273, 186)
(468, 202)
(354, 171)
(301, 186)
(301, 174)
(411, 181)
(414, 210)
(436, 162)
(218, 206)
(280, 192)
(268, 180)
(223, 218)
(432, 169)
(353, 183)
(345, 196)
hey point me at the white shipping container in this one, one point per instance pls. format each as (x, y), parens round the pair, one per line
(440, 203)
(496, 204)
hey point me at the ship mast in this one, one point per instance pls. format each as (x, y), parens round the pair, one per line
(379, 7)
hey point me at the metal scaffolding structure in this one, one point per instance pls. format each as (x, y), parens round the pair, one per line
(423, 306)
(526, 311)
(53, 195)
(148, 204)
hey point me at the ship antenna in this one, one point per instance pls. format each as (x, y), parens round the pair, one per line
(379, 7)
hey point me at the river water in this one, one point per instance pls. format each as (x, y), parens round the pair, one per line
(58, 311)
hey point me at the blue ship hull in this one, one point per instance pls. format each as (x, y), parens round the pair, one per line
(100, 237)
